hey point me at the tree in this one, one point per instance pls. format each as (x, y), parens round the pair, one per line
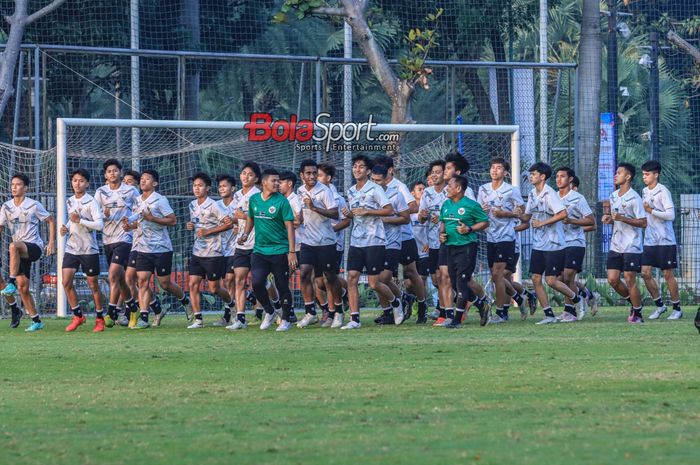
(8, 59)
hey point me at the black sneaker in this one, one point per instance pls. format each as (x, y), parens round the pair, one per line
(422, 318)
(531, 301)
(484, 315)
(259, 313)
(407, 305)
(454, 325)
(16, 317)
(293, 317)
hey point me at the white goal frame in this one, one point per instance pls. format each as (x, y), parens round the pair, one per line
(63, 125)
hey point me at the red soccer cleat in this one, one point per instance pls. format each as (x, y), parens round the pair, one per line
(75, 322)
(99, 325)
(439, 322)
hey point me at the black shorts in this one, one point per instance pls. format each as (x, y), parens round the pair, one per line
(409, 252)
(132, 259)
(392, 257)
(211, 268)
(624, 261)
(663, 257)
(241, 258)
(370, 258)
(442, 256)
(25, 264)
(161, 263)
(574, 258)
(229, 264)
(423, 266)
(500, 252)
(118, 253)
(461, 261)
(433, 260)
(321, 257)
(512, 267)
(550, 263)
(90, 264)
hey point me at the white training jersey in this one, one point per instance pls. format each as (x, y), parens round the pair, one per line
(241, 201)
(151, 237)
(367, 231)
(394, 232)
(576, 209)
(507, 198)
(659, 230)
(295, 203)
(406, 229)
(82, 238)
(432, 201)
(23, 220)
(542, 206)
(626, 238)
(120, 203)
(228, 237)
(469, 193)
(317, 230)
(207, 215)
(420, 233)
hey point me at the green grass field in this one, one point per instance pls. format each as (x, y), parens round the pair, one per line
(595, 392)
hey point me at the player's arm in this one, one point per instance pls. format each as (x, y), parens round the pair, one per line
(522, 226)
(480, 226)
(51, 246)
(423, 212)
(168, 220)
(412, 207)
(330, 212)
(97, 223)
(291, 253)
(443, 233)
(586, 221)
(636, 222)
(403, 217)
(342, 224)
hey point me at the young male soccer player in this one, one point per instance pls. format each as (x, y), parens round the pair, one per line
(545, 213)
(659, 240)
(274, 251)
(249, 176)
(420, 233)
(288, 181)
(367, 204)
(625, 256)
(461, 217)
(84, 218)
(207, 221)
(318, 254)
(116, 199)
(503, 203)
(579, 216)
(225, 185)
(591, 298)
(132, 178)
(22, 216)
(151, 217)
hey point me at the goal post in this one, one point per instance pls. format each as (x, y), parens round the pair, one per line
(219, 147)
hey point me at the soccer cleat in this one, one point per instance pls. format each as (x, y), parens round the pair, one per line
(454, 325)
(140, 324)
(434, 315)
(567, 317)
(352, 325)
(580, 307)
(75, 322)
(422, 320)
(592, 302)
(547, 320)
(9, 289)
(658, 312)
(267, 321)
(635, 319)
(196, 324)
(134, 320)
(293, 317)
(221, 322)
(338, 320)
(484, 316)
(398, 314)
(523, 312)
(447, 322)
(284, 326)
(407, 301)
(495, 320)
(531, 301)
(380, 319)
(308, 320)
(123, 321)
(675, 315)
(34, 327)
(236, 325)
(327, 323)
(439, 321)
(16, 317)
(99, 325)
(109, 322)
(158, 319)
(189, 313)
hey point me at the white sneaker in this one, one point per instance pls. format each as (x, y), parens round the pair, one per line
(657, 313)
(352, 325)
(221, 322)
(237, 325)
(495, 319)
(328, 323)
(547, 320)
(675, 315)
(338, 320)
(567, 317)
(284, 326)
(398, 314)
(447, 322)
(580, 307)
(196, 324)
(593, 303)
(308, 320)
(267, 321)
(583, 310)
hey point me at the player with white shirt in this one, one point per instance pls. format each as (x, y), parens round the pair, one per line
(591, 298)
(82, 251)
(579, 216)
(132, 178)
(503, 204)
(22, 217)
(288, 181)
(626, 213)
(659, 240)
(545, 213)
(116, 200)
(150, 219)
(226, 185)
(367, 204)
(208, 222)
(420, 233)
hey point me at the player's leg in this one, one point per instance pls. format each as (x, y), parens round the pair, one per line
(23, 279)
(462, 262)
(163, 267)
(91, 267)
(279, 267)
(672, 284)
(194, 284)
(260, 270)
(240, 277)
(131, 312)
(15, 311)
(384, 262)
(143, 276)
(635, 296)
(17, 252)
(70, 266)
(653, 288)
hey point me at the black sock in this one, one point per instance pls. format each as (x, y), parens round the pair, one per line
(629, 300)
(355, 317)
(241, 317)
(36, 318)
(112, 311)
(127, 311)
(277, 304)
(441, 312)
(77, 311)
(331, 314)
(676, 306)
(518, 299)
(338, 309)
(184, 301)
(14, 307)
(505, 309)
(570, 309)
(499, 312)
(395, 303)
(422, 308)
(99, 315)
(144, 316)
(548, 312)
(637, 311)
(388, 312)
(198, 316)
(269, 310)
(450, 313)
(155, 307)
(458, 316)
(310, 309)
(11, 280)
(324, 308)
(227, 313)
(576, 299)
(659, 302)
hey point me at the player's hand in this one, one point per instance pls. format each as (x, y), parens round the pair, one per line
(606, 219)
(240, 215)
(463, 228)
(75, 217)
(299, 219)
(359, 212)
(242, 240)
(292, 260)
(125, 224)
(189, 226)
(146, 215)
(435, 219)
(536, 223)
(228, 221)
(50, 248)
(423, 215)
(426, 248)
(106, 212)
(500, 213)
(566, 220)
(443, 238)
(308, 202)
(202, 232)
(519, 210)
(618, 217)
(63, 230)
(647, 208)
(486, 207)
(347, 213)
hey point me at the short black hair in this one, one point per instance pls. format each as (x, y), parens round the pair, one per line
(226, 177)
(434, 163)
(500, 161)
(369, 163)
(652, 165)
(203, 177)
(384, 160)
(575, 181)
(629, 168)
(542, 168)
(328, 168)
(82, 172)
(463, 183)
(288, 176)
(461, 163)
(268, 172)
(134, 174)
(380, 170)
(255, 168)
(111, 162)
(308, 162)
(569, 172)
(22, 177)
(416, 183)
(152, 173)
